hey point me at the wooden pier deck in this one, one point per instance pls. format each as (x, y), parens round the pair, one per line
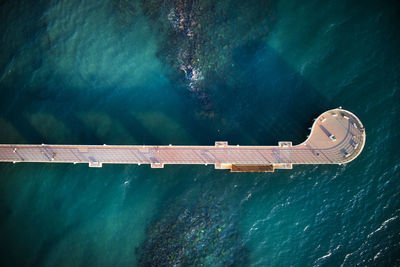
(337, 136)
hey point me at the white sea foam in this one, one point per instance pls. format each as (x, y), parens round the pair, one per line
(345, 258)
(377, 255)
(383, 225)
(325, 256)
(322, 258)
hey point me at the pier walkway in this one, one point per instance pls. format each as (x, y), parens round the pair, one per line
(337, 136)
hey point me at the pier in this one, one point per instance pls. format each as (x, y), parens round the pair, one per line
(337, 137)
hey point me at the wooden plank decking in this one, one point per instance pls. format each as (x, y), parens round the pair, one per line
(337, 136)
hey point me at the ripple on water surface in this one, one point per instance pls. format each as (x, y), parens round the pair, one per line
(106, 72)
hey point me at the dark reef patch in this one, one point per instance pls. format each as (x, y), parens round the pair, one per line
(193, 231)
(200, 38)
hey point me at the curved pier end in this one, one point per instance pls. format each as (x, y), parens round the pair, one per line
(336, 135)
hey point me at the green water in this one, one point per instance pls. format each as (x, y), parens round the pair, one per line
(95, 72)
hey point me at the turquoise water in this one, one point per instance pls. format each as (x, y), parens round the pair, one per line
(94, 72)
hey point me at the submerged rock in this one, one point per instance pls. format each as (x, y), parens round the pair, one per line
(193, 234)
(201, 38)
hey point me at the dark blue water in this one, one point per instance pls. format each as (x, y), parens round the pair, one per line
(94, 72)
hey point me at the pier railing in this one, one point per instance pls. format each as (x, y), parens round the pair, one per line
(337, 137)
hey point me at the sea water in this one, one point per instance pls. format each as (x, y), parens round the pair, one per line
(95, 72)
